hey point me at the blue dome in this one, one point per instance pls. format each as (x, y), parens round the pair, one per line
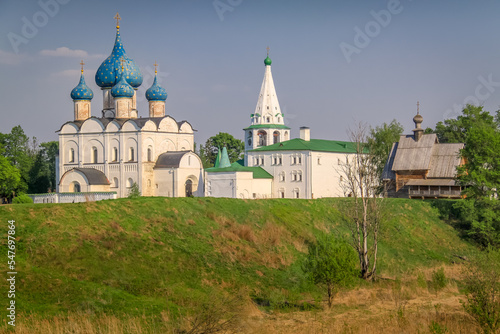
(156, 92)
(109, 72)
(122, 88)
(82, 91)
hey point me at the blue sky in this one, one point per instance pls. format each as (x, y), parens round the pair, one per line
(441, 53)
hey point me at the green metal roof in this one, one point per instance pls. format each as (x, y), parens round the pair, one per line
(266, 126)
(258, 172)
(322, 145)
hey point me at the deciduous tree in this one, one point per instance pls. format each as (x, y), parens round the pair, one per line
(331, 263)
(208, 152)
(363, 211)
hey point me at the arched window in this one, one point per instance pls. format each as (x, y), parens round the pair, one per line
(276, 137)
(115, 154)
(189, 188)
(150, 154)
(130, 182)
(115, 182)
(296, 193)
(131, 154)
(281, 193)
(268, 119)
(71, 155)
(282, 177)
(76, 187)
(286, 135)
(94, 155)
(262, 137)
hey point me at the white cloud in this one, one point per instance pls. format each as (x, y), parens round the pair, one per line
(72, 73)
(8, 58)
(64, 51)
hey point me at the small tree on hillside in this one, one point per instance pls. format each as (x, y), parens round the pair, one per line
(331, 263)
(482, 290)
(134, 191)
(363, 213)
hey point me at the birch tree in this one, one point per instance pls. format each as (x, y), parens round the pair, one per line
(363, 211)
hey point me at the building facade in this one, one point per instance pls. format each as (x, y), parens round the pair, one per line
(421, 167)
(119, 147)
(275, 166)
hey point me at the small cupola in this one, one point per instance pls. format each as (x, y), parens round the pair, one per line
(418, 119)
(123, 93)
(82, 95)
(156, 96)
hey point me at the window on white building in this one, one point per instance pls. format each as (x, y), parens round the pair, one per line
(282, 177)
(130, 182)
(71, 155)
(94, 155)
(115, 154)
(296, 193)
(150, 154)
(131, 154)
(299, 176)
(281, 193)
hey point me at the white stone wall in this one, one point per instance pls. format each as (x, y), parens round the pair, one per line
(298, 172)
(237, 185)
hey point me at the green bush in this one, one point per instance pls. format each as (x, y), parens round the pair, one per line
(134, 191)
(482, 290)
(332, 263)
(22, 199)
(439, 280)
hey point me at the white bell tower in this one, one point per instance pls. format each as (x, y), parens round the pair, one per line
(267, 124)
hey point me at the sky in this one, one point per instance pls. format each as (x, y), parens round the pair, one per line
(335, 63)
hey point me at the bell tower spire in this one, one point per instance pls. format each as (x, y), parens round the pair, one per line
(267, 124)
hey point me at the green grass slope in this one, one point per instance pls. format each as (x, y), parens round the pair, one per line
(146, 255)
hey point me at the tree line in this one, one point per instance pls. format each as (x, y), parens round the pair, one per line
(26, 166)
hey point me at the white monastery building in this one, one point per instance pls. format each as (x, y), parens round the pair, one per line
(119, 148)
(276, 167)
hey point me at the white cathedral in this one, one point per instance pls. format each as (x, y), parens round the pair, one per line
(112, 152)
(120, 148)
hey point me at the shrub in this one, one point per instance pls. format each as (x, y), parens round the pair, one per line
(482, 290)
(22, 199)
(438, 279)
(134, 191)
(331, 263)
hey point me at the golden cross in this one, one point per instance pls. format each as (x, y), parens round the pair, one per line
(267, 50)
(82, 63)
(418, 107)
(122, 60)
(155, 65)
(117, 18)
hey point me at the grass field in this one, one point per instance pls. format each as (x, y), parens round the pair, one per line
(150, 265)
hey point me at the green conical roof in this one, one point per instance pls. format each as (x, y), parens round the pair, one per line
(217, 159)
(224, 160)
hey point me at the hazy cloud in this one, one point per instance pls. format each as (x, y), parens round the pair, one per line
(9, 58)
(70, 73)
(67, 52)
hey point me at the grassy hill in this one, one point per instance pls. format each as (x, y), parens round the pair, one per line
(148, 257)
